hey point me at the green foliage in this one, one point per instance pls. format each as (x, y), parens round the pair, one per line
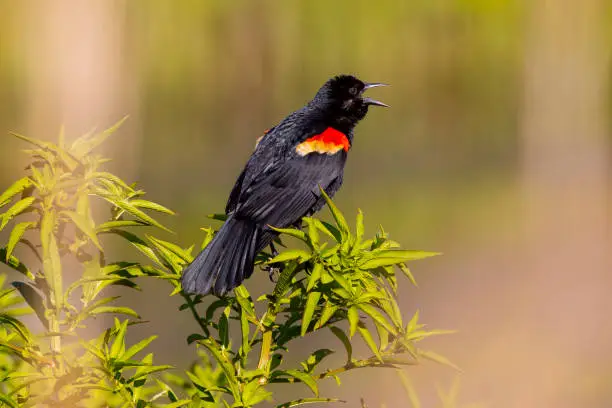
(336, 280)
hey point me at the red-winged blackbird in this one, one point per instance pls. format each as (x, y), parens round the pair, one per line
(280, 183)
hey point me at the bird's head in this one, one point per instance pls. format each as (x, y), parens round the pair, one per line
(342, 98)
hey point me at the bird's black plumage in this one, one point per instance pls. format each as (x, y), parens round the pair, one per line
(280, 183)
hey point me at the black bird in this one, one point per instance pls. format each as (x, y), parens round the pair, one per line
(280, 183)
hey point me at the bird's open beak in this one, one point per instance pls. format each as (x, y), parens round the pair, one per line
(370, 101)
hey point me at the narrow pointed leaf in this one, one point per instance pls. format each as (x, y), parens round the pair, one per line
(16, 188)
(367, 337)
(311, 305)
(16, 234)
(339, 333)
(84, 225)
(340, 220)
(17, 208)
(150, 205)
(304, 401)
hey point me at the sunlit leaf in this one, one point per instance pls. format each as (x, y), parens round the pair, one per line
(290, 255)
(17, 208)
(315, 276)
(293, 232)
(353, 318)
(393, 257)
(114, 310)
(150, 205)
(367, 337)
(118, 347)
(304, 401)
(16, 234)
(34, 298)
(15, 263)
(311, 304)
(84, 225)
(339, 333)
(340, 220)
(303, 377)
(110, 225)
(138, 347)
(430, 355)
(16, 188)
(87, 143)
(17, 326)
(377, 317)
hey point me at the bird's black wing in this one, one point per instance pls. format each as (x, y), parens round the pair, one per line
(286, 192)
(274, 148)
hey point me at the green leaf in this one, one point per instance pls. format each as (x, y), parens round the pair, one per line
(138, 347)
(430, 355)
(177, 404)
(303, 377)
(128, 207)
(16, 188)
(35, 142)
(183, 255)
(293, 232)
(15, 263)
(311, 304)
(254, 393)
(16, 234)
(84, 225)
(408, 274)
(377, 317)
(244, 299)
(315, 276)
(115, 310)
(19, 207)
(17, 326)
(52, 267)
(410, 389)
(109, 225)
(328, 311)
(145, 371)
(34, 298)
(290, 255)
(244, 330)
(85, 144)
(367, 337)
(339, 333)
(340, 220)
(150, 205)
(8, 401)
(227, 367)
(314, 359)
(304, 401)
(394, 257)
(138, 244)
(353, 318)
(118, 347)
(47, 224)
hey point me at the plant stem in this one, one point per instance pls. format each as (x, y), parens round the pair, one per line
(194, 312)
(268, 319)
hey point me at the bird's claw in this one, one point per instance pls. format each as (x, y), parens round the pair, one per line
(273, 273)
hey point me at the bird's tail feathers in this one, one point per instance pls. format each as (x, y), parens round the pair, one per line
(226, 261)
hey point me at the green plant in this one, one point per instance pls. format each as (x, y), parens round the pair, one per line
(337, 280)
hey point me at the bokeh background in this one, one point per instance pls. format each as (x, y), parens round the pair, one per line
(496, 152)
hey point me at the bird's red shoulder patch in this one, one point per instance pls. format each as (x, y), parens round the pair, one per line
(330, 141)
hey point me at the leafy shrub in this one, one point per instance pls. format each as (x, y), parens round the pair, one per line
(337, 280)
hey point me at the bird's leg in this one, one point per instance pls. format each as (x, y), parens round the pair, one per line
(273, 270)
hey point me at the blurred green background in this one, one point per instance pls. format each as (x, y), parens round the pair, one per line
(495, 152)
